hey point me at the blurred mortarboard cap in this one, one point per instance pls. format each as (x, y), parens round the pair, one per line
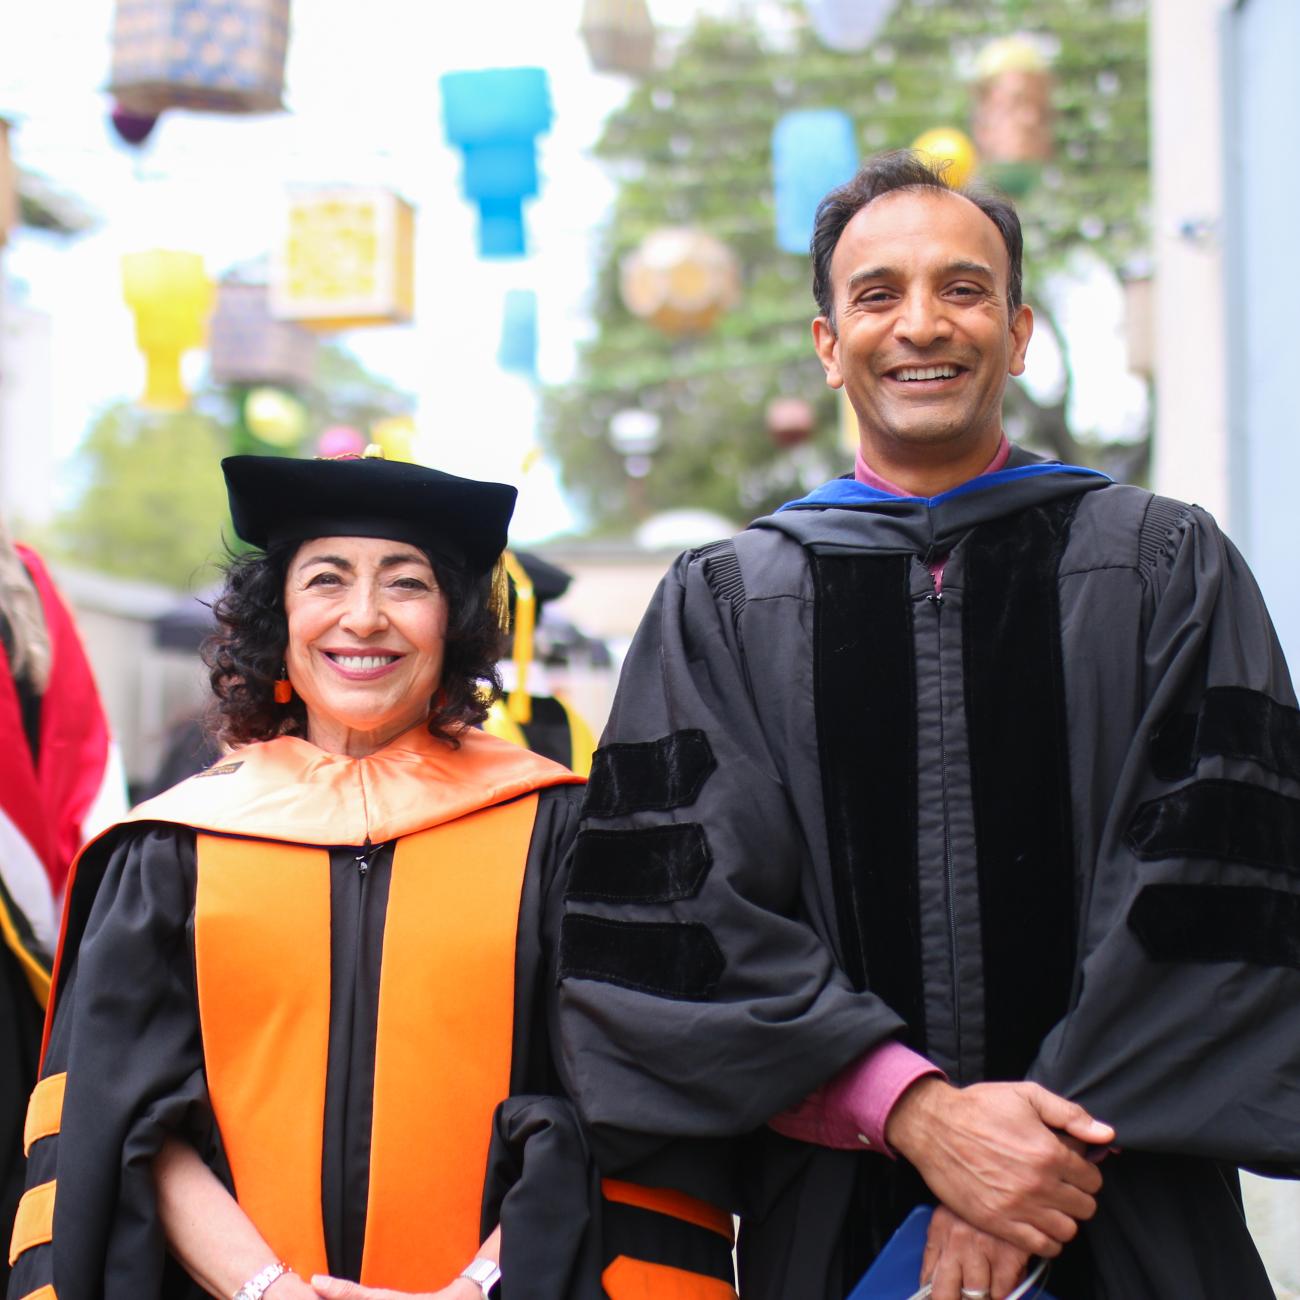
(281, 499)
(550, 582)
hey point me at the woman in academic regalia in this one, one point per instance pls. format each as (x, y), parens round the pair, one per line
(293, 989)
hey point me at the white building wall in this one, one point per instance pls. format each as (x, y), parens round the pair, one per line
(27, 462)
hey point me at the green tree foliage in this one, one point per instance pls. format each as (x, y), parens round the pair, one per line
(693, 146)
(152, 502)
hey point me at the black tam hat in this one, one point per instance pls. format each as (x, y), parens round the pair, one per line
(280, 499)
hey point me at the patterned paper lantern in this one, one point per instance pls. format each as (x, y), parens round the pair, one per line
(947, 145)
(813, 150)
(619, 36)
(680, 280)
(249, 346)
(1012, 122)
(171, 296)
(518, 351)
(8, 186)
(494, 117)
(216, 56)
(346, 259)
(849, 25)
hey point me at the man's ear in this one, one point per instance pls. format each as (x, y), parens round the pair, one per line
(1022, 326)
(827, 344)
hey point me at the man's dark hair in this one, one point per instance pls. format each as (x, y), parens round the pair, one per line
(245, 653)
(889, 173)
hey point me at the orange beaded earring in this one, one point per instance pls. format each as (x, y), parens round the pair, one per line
(283, 690)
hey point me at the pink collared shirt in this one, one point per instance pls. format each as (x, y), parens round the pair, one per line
(851, 1110)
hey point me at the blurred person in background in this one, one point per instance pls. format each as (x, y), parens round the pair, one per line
(530, 712)
(964, 786)
(293, 989)
(59, 781)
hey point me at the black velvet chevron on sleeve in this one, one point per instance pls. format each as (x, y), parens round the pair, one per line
(650, 775)
(678, 960)
(1226, 821)
(650, 864)
(1233, 722)
(1203, 923)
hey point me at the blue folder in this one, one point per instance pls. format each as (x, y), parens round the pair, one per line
(896, 1272)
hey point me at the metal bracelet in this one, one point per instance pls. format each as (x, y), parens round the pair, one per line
(256, 1285)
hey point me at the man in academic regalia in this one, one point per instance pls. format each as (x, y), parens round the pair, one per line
(953, 799)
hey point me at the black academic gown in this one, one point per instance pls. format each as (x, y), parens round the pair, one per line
(126, 1030)
(1044, 825)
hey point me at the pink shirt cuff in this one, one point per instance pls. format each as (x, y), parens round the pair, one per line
(849, 1112)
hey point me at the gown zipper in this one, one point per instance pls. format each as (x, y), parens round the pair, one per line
(935, 598)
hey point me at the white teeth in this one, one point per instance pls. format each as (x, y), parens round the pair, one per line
(362, 663)
(927, 372)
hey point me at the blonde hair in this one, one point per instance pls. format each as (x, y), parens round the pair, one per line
(21, 606)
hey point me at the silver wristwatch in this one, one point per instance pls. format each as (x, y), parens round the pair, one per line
(256, 1285)
(485, 1274)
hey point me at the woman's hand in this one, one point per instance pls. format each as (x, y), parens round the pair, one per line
(337, 1288)
(963, 1261)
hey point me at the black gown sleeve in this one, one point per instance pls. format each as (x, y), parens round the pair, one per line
(126, 1034)
(1185, 1033)
(695, 999)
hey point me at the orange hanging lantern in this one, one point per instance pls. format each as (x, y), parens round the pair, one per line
(1012, 123)
(619, 36)
(680, 280)
(171, 296)
(951, 149)
(216, 56)
(249, 346)
(346, 259)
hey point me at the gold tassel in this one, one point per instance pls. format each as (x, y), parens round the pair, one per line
(499, 594)
(519, 704)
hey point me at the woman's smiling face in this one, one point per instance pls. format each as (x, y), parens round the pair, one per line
(367, 630)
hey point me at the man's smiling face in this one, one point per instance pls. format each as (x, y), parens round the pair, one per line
(924, 339)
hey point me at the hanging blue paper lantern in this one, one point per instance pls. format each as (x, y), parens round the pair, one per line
(813, 151)
(494, 117)
(518, 351)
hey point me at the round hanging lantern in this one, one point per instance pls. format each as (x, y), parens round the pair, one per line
(619, 36)
(394, 437)
(680, 280)
(345, 259)
(340, 440)
(215, 56)
(249, 346)
(813, 151)
(951, 149)
(849, 25)
(171, 296)
(790, 421)
(132, 128)
(275, 417)
(1012, 121)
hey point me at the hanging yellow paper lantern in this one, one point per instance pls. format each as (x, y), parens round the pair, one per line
(275, 417)
(216, 56)
(8, 186)
(171, 296)
(947, 145)
(619, 36)
(680, 279)
(249, 346)
(1012, 121)
(346, 259)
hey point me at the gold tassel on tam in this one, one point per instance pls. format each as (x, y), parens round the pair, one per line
(519, 703)
(499, 593)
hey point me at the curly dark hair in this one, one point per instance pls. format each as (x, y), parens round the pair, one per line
(888, 173)
(245, 653)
